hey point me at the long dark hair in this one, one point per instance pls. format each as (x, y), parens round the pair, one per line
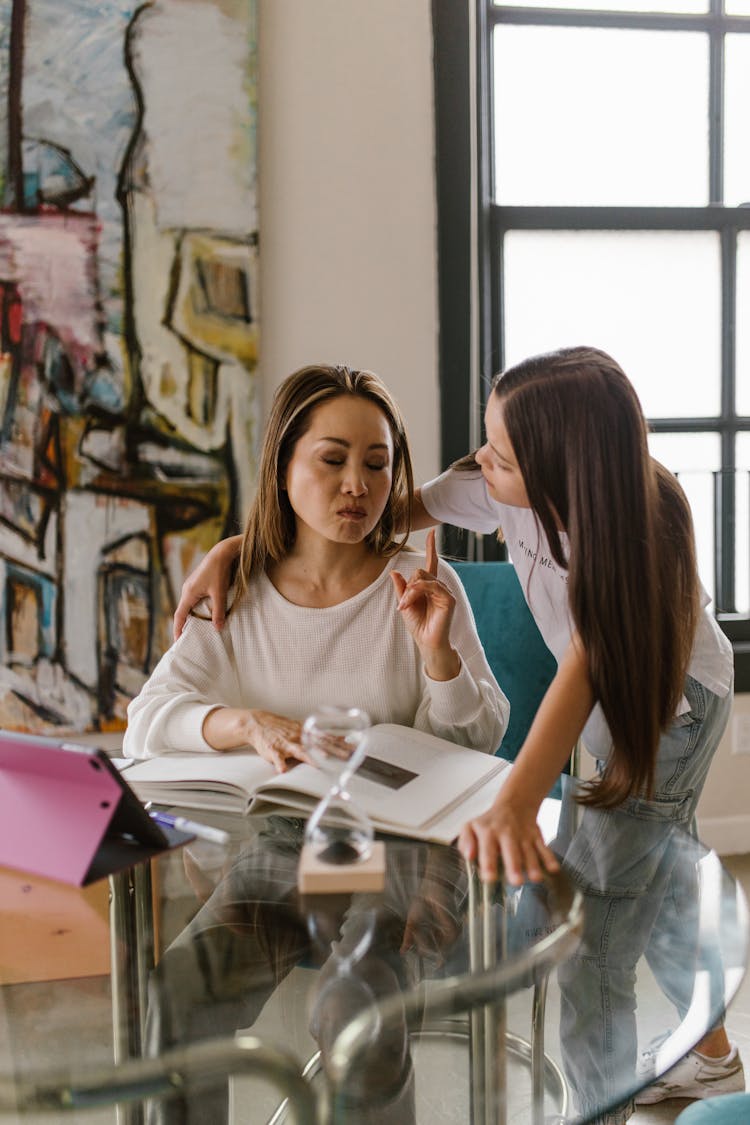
(271, 525)
(580, 438)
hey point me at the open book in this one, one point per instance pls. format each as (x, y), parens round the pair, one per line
(410, 783)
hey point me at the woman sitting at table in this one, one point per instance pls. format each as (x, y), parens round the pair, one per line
(328, 608)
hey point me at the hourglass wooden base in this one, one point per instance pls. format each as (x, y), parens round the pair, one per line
(317, 877)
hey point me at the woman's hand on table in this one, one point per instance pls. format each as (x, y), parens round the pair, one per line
(427, 606)
(277, 739)
(508, 832)
(210, 579)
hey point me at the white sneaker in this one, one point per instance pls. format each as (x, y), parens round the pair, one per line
(694, 1076)
(645, 1068)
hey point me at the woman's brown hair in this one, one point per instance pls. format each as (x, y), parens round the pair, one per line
(580, 438)
(271, 526)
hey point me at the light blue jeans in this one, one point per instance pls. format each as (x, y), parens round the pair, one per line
(639, 882)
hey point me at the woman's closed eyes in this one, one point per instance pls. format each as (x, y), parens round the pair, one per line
(372, 466)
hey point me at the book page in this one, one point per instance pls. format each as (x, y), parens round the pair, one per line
(407, 778)
(198, 780)
(429, 774)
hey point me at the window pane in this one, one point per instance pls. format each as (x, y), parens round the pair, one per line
(694, 458)
(649, 299)
(687, 454)
(737, 99)
(737, 7)
(614, 5)
(742, 335)
(573, 125)
(742, 525)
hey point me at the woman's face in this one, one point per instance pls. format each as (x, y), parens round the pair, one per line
(339, 477)
(497, 460)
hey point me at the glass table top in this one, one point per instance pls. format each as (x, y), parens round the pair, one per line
(435, 1000)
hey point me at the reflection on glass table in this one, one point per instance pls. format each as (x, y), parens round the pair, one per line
(392, 997)
(352, 952)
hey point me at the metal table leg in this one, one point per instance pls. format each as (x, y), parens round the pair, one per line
(132, 958)
(488, 1057)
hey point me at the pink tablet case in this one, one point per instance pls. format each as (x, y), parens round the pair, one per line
(67, 814)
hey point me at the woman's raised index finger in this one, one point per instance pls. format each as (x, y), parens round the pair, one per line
(431, 555)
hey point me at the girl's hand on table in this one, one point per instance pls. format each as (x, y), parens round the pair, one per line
(509, 833)
(427, 606)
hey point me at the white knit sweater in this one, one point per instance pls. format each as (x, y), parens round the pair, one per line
(289, 659)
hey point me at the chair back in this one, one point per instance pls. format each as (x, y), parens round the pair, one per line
(724, 1109)
(520, 660)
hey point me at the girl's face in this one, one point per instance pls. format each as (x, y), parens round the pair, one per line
(498, 461)
(339, 477)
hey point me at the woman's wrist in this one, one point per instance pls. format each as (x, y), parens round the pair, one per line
(227, 728)
(442, 665)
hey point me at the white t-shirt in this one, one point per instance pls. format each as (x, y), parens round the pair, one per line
(462, 499)
(275, 656)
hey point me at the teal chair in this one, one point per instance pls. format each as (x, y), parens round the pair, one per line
(519, 658)
(725, 1109)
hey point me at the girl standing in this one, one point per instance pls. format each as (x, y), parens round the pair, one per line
(602, 540)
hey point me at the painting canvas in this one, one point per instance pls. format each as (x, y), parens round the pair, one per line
(128, 334)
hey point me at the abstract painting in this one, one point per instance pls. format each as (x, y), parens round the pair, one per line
(128, 334)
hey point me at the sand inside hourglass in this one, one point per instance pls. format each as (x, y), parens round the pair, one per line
(338, 830)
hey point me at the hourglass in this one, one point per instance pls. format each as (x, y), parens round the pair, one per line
(340, 849)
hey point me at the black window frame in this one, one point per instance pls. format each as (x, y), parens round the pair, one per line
(471, 227)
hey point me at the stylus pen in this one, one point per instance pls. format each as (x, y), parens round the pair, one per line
(202, 831)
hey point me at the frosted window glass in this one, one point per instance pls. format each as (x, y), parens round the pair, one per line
(742, 339)
(737, 100)
(600, 117)
(743, 452)
(742, 523)
(692, 6)
(650, 299)
(694, 458)
(687, 453)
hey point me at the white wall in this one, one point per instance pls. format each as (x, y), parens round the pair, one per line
(724, 809)
(347, 198)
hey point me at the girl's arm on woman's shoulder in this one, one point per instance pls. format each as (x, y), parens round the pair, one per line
(210, 579)
(508, 831)
(420, 517)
